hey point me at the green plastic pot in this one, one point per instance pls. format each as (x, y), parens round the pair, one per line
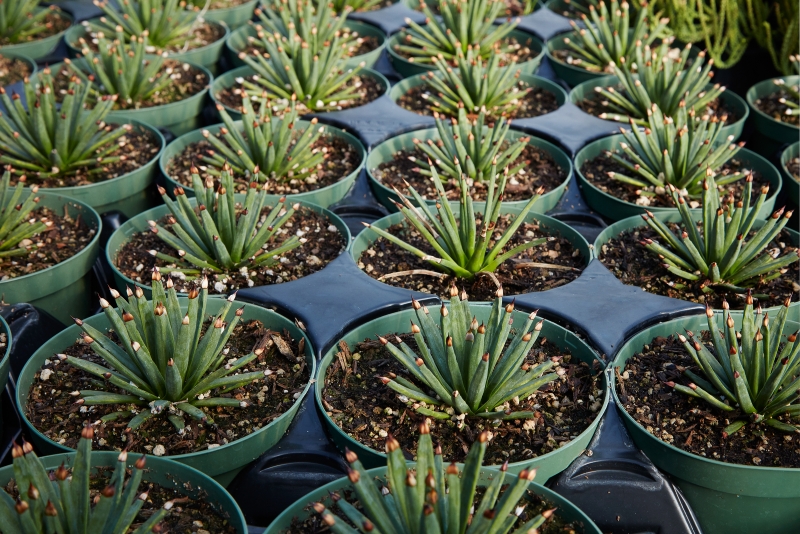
(139, 224)
(237, 41)
(789, 182)
(731, 100)
(62, 290)
(386, 150)
(547, 465)
(228, 79)
(162, 471)
(40, 47)
(616, 209)
(407, 69)
(636, 221)
(232, 17)
(776, 131)
(726, 498)
(300, 509)
(570, 74)
(5, 361)
(223, 462)
(28, 61)
(325, 196)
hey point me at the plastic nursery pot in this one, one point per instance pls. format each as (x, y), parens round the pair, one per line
(27, 60)
(324, 196)
(571, 74)
(789, 181)
(614, 230)
(731, 101)
(385, 152)
(139, 224)
(232, 17)
(777, 131)
(547, 465)
(62, 290)
(617, 209)
(223, 462)
(726, 498)
(237, 42)
(301, 510)
(5, 361)
(228, 80)
(162, 471)
(406, 68)
(559, 7)
(38, 48)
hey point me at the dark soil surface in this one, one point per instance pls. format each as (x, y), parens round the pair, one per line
(692, 424)
(54, 23)
(65, 238)
(369, 90)
(519, 51)
(536, 102)
(541, 171)
(324, 243)
(634, 265)
(12, 70)
(363, 44)
(52, 409)
(772, 106)
(365, 409)
(716, 108)
(794, 168)
(384, 258)
(138, 147)
(342, 159)
(595, 171)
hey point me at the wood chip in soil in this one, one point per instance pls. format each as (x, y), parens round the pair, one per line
(772, 106)
(52, 410)
(596, 171)
(634, 265)
(519, 52)
(536, 102)
(13, 70)
(384, 258)
(341, 160)
(540, 170)
(64, 239)
(692, 424)
(369, 89)
(324, 243)
(54, 22)
(366, 410)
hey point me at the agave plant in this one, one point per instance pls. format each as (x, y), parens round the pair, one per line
(662, 80)
(264, 147)
(60, 502)
(792, 103)
(462, 24)
(721, 253)
(468, 141)
(610, 34)
(474, 85)
(443, 503)
(56, 140)
(750, 370)
(16, 221)
(168, 23)
(678, 151)
(467, 365)
(163, 361)
(21, 20)
(218, 237)
(339, 6)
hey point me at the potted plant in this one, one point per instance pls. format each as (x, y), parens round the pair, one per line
(15, 68)
(360, 6)
(237, 240)
(775, 110)
(105, 164)
(30, 30)
(431, 496)
(233, 13)
(308, 161)
(790, 164)
(159, 493)
(459, 28)
(175, 374)
(715, 411)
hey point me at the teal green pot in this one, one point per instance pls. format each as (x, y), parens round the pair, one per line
(324, 196)
(789, 181)
(5, 361)
(726, 498)
(232, 17)
(228, 80)
(571, 74)
(731, 100)
(223, 462)
(547, 465)
(237, 42)
(28, 61)
(625, 225)
(138, 224)
(63, 290)
(386, 150)
(301, 510)
(162, 471)
(775, 132)
(38, 48)
(407, 69)
(616, 209)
